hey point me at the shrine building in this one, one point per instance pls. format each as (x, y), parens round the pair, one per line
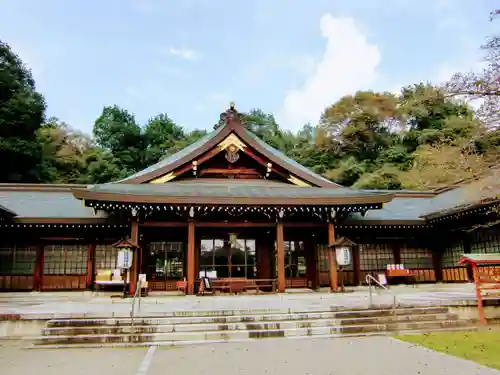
(232, 206)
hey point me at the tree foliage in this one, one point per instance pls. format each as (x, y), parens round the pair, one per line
(22, 112)
(422, 137)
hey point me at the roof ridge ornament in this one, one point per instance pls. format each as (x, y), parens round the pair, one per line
(231, 117)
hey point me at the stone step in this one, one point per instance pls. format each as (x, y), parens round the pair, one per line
(237, 326)
(249, 316)
(231, 335)
(190, 343)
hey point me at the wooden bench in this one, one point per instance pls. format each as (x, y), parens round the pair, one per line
(181, 286)
(296, 282)
(234, 285)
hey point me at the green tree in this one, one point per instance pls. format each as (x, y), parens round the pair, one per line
(117, 131)
(22, 111)
(161, 134)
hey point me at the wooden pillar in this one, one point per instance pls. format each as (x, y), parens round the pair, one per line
(191, 261)
(467, 250)
(134, 238)
(332, 259)
(356, 260)
(312, 261)
(38, 274)
(90, 266)
(280, 257)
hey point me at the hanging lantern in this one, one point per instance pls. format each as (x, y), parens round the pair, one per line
(232, 239)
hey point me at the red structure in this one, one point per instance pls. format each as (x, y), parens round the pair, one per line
(229, 204)
(486, 271)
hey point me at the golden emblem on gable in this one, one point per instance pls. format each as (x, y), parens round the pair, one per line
(232, 154)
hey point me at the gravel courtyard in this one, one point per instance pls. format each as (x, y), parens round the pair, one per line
(375, 356)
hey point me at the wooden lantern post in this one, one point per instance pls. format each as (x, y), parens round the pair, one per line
(338, 247)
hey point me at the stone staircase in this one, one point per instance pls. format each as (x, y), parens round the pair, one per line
(186, 328)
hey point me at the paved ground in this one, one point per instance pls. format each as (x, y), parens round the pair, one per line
(78, 303)
(374, 356)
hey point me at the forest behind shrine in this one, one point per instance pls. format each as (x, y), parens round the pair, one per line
(425, 136)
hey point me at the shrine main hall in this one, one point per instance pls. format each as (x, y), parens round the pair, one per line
(231, 206)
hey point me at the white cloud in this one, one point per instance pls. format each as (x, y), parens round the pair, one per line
(184, 53)
(348, 65)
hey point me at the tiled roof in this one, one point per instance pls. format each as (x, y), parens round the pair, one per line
(231, 188)
(459, 199)
(42, 204)
(207, 138)
(399, 209)
(177, 156)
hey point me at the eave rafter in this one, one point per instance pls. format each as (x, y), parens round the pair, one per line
(322, 213)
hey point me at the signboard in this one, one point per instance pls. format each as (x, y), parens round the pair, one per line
(343, 256)
(124, 260)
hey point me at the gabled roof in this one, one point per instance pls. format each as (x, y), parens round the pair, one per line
(232, 125)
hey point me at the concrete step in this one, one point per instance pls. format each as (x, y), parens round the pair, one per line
(190, 343)
(237, 326)
(246, 316)
(232, 335)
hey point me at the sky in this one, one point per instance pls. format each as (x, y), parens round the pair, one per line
(191, 58)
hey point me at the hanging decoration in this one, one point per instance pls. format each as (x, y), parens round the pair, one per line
(232, 154)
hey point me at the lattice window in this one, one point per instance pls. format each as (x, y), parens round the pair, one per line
(106, 256)
(295, 259)
(238, 260)
(452, 254)
(322, 251)
(17, 260)
(65, 259)
(416, 257)
(24, 260)
(167, 259)
(375, 257)
(485, 242)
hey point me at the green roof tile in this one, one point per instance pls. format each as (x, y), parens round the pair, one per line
(45, 204)
(231, 188)
(399, 209)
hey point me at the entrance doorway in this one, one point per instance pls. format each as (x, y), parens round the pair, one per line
(227, 258)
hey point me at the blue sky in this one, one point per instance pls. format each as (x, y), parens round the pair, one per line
(190, 58)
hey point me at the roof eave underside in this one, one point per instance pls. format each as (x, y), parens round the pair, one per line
(459, 209)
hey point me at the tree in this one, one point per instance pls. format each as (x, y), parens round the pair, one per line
(160, 135)
(22, 111)
(484, 85)
(117, 132)
(63, 152)
(360, 129)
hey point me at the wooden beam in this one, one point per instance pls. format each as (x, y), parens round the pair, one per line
(234, 225)
(332, 259)
(356, 260)
(173, 224)
(280, 249)
(231, 224)
(232, 171)
(262, 162)
(191, 269)
(134, 238)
